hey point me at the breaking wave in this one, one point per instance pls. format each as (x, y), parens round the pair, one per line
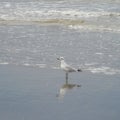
(74, 19)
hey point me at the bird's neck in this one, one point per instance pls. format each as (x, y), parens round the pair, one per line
(63, 63)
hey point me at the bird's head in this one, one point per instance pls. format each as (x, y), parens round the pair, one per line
(60, 58)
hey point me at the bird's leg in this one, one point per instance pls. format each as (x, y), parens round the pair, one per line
(66, 77)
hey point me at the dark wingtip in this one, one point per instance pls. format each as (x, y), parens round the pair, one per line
(79, 70)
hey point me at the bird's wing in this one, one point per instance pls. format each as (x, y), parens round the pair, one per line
(70, 69)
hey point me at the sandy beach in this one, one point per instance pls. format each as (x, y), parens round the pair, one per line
(33, 93)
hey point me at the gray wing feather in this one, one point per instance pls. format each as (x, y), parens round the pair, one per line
(70, 69)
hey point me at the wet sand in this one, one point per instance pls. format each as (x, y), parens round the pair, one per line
(28, 93)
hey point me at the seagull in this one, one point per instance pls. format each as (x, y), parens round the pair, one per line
(67, 68)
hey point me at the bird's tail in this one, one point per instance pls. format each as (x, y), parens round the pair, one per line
(79, 70)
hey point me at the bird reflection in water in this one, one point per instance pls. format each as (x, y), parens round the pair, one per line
(65, 88)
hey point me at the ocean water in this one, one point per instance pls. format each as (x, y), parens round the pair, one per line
(91, 15)
(39, 46)
(86, 33)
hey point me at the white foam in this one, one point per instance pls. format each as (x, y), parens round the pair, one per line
(54, 67)
(99, 53)
(91, 64)
(104, 70)
(94, 28)
(7, 5)
(26, 64)
(30, 14)
(35, 65)
(4, 63)
(41, 65)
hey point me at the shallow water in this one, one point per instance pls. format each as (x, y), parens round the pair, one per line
(33, 93)
(39, 46)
